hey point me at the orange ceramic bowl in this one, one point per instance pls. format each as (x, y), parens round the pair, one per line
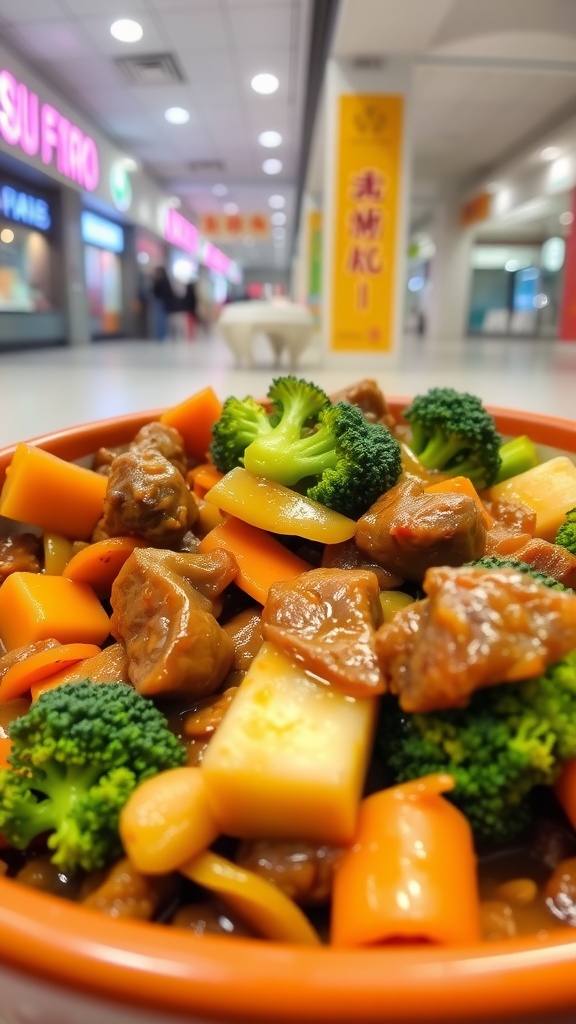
(63, 964)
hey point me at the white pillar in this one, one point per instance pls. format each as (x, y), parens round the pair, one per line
(363, 281)
(450, 274)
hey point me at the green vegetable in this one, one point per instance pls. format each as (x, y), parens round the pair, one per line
(509, 739)
(452, 431)
(328, 451)
(566, 536)
(516, 456)
(499, 562)
(76, 757)
(240, 423)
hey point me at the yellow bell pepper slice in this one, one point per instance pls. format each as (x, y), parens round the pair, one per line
(259, 902)
(271, 506)
(58, 551)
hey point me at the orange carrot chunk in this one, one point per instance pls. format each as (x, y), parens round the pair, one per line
(99, 563)
(411, 874)
(194, 418)
(44, 490)
(5, 747)
(262, 560)
(203, 477)
(18, 679)
(37, 607)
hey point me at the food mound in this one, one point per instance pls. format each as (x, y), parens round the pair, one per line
(295, 669)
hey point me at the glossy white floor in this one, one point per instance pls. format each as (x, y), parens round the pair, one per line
(45, 390)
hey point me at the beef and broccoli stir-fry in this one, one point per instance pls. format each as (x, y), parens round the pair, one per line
(295, 670)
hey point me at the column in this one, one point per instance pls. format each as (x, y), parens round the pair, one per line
(129, 283)
(448, 287)
(365, 203)
(567, 319)
(74, 279)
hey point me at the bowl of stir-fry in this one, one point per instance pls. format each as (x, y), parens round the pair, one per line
(288, 713)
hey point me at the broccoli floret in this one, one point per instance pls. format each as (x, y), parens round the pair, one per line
(499, 562)
(76, 757)
(516, 456)
(566, 536)
(451, 431)
(328, 451)
(509, 739)
(241, 422)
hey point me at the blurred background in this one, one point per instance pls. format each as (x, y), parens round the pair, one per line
(337, 177)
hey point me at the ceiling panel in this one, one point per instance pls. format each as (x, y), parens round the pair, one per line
(31, 10)
(262, 26)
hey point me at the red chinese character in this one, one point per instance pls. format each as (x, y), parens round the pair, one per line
(258, 224)
(364, 261)
(211, 224)
(369, 184)
(234, 224)
(366, 223)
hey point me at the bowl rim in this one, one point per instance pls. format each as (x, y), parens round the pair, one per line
(144, 965)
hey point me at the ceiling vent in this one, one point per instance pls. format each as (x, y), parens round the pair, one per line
(207, 167)
(368, 62)
(151, 69)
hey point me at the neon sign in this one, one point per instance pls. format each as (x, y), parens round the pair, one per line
(24, 208)
(105, 234)
(40, 129)
(181, 232)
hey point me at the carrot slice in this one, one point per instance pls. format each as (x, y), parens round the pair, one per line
(99, 563)
(5, 747)
(203, 477)
(262, 560)
(462, 485)
(107, 666)
(21, 676)
(194, 418)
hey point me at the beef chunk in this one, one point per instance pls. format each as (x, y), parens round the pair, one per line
(163, 614)
(167, 441)
(347, 555)
(551, 559)
(20, 552)
(326, 619)
(303, 871)
(149, 498)
(370, 399)
(408, 530)
(475, 628)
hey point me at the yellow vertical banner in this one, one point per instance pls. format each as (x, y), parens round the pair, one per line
(314, 249)
(366, 214)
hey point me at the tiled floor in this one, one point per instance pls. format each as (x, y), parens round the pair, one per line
(44, 390)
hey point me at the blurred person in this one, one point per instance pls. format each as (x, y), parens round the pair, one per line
(190, 308)
(169, 313)
(205, 300)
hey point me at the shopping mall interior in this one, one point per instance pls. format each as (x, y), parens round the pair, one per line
(352, 187)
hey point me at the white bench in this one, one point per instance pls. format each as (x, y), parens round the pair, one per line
(288, 326)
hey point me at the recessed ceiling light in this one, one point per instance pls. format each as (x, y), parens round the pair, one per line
(549, 153)
(126, 31)
(278, 218)
(272, 166)
(231, 209)
(219, 190)
(270, 139)
(177, 115)
(7, 235)
(265, 84)
(279, 234)
(174, 202)
(566, 218)
(277, 202)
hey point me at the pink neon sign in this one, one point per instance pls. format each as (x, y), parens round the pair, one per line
(215, 259)
(37, 128)
(180, 232)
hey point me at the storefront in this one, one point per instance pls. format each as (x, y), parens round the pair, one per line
(31, 307)
(104, 247)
